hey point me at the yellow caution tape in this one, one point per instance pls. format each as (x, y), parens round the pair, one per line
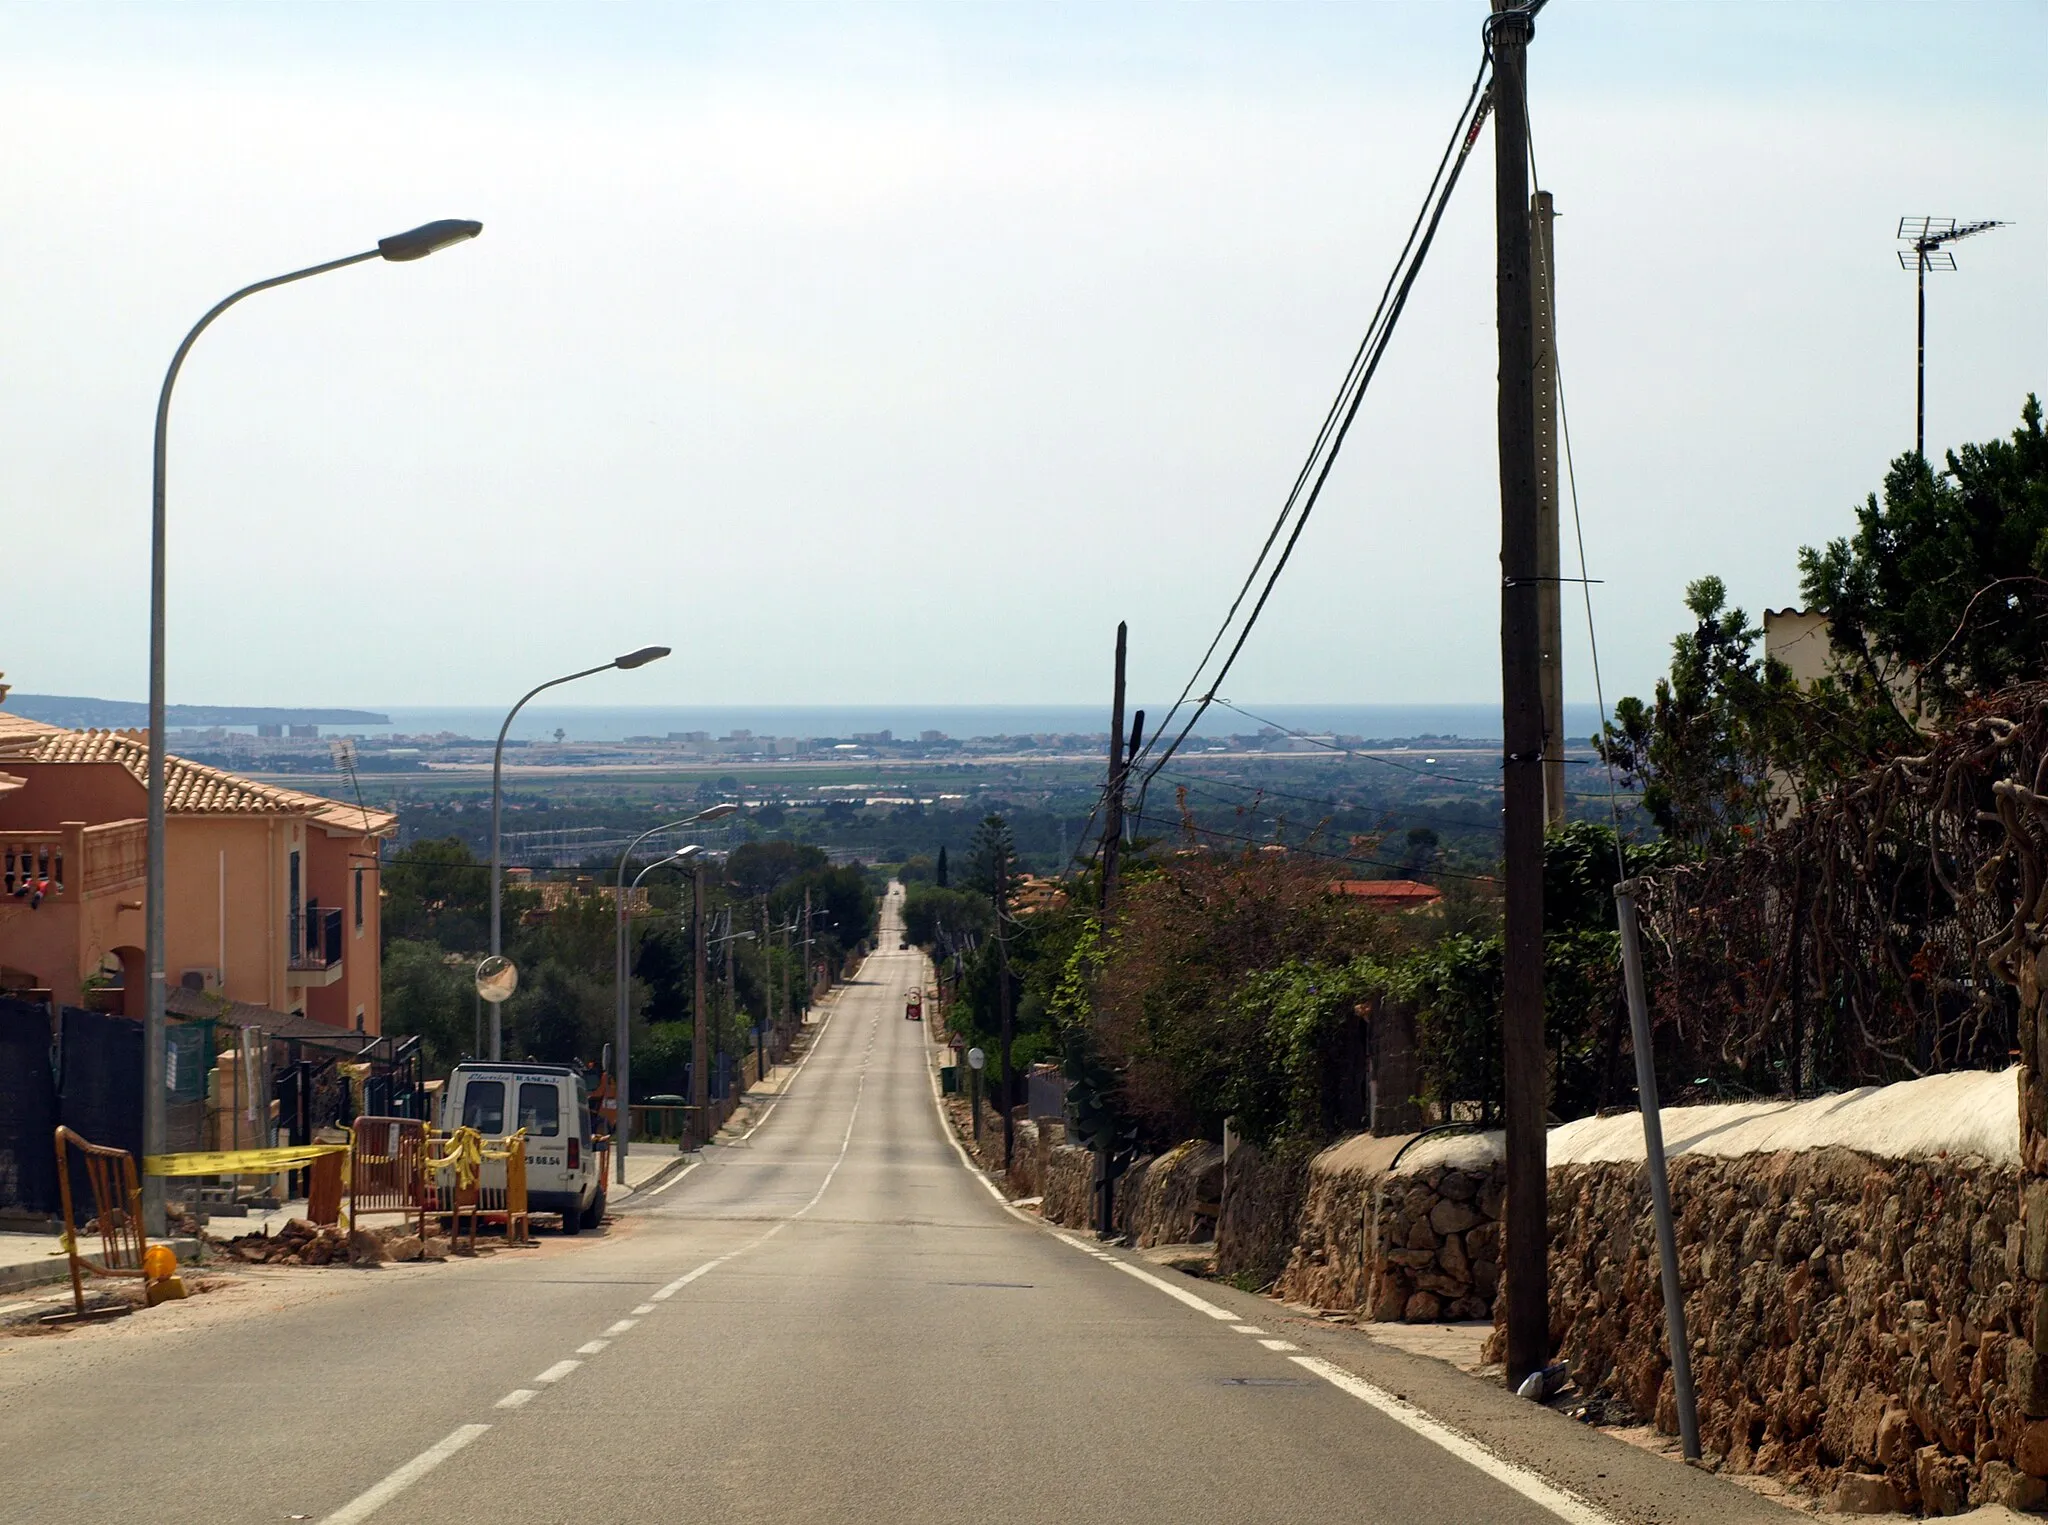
(465, 1152)
(233, 1162)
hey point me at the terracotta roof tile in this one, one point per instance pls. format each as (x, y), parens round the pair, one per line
(1388, 892)
(192, 788)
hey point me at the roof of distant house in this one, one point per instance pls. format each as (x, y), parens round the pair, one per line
(1389, 894)
(180, 1001)
(190, 788)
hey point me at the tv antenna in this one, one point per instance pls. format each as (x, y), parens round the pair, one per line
(1929, 237)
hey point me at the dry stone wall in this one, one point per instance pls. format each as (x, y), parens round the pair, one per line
(1263, 1194)
(1856, 1323)
(1418, 1246)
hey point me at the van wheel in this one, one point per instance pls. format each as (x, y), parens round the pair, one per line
(572, 1221)
(593, 1215)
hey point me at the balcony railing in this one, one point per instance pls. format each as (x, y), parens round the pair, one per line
(316, 938)
(73, 861)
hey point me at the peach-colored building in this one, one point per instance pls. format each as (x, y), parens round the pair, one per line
(272, 893)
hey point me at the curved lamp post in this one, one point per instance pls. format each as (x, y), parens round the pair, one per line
(416, 244)
(622, 1047)
(627, 662)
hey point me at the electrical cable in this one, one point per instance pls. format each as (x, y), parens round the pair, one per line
(1388, 762)
(1314, 852)
(1189, 782)
(1315, 471)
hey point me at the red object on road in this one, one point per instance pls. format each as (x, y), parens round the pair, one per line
(913, 1008)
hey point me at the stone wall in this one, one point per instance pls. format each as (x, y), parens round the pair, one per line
(1172, 1199)
(1859, 1303)
(1069, 1188)
(1175, 1198)
(1418, 1246)
(1263, 1194)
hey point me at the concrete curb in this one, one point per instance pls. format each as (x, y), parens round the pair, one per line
(44, 1273)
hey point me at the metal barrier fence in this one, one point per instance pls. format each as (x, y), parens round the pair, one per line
(387, 1169)
(484, 1180)
(117, 1216)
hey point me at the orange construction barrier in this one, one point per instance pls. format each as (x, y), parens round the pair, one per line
(387, 1169)
(484, 1180)
(323, 1189)
(117, 1214)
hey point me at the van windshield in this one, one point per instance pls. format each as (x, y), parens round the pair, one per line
(483, 1106)
(540, 1110)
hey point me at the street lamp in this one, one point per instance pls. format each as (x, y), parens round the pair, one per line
(416, 244)
(622, 1045)
(627, 662)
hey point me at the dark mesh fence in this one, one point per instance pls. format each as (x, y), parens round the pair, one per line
(28, 1110)
(99, 1078)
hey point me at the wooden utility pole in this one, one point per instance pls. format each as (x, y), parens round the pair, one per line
(1527, 1263)
(1113, 801)
(700, 1047)
(1549, 560)
(1004, 1097)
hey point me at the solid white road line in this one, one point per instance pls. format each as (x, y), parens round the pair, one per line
(558, 1371)
(1547, 1495)
(1178, 1294)
(363, 1505)
(665, 1185)
(591, 1347)
(518, 1398)
(1566, 1506)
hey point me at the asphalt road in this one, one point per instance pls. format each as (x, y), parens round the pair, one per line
(833, 1319)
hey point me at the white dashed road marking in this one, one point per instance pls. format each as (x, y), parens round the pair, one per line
(558, 1371)
(363, 1505)
(518, 1398)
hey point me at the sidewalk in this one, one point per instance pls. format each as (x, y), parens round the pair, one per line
(32, 1261)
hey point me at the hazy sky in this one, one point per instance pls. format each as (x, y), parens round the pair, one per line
(872, 353)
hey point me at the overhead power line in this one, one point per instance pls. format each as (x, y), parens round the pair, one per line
(1315, 470)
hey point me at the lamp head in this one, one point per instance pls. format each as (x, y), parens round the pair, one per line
(418, 243)
(685, 854)
(641, 657)
(715, 812)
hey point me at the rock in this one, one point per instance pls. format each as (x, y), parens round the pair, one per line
(2030, 1455)
(1420, 1236)
(1862, 1493)
(365, 1248)
(1414, 1260)
(1944, 1481)
(1457, 1186)
(2015, 1490)
(1452, 1218)
(433, 1248)
(1485, 1278)
(2026, 1379)
(1422, 1308)
(404, 1247)
(1893, 1441)
(1452, 1258)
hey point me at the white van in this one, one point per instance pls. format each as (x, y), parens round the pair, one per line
(549, 1102)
